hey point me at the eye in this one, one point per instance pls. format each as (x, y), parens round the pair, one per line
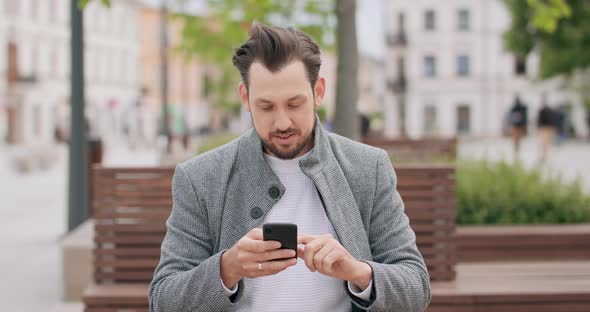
(267, 108)
(294, 105)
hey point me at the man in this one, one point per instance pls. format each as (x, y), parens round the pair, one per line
(518, 121)
(547, 124)
(356, 249)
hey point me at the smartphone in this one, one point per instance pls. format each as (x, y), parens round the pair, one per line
(285, 233)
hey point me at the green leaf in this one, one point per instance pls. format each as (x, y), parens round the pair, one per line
(82, 4)
(548, 13)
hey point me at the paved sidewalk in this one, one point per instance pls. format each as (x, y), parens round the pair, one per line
(33, 210)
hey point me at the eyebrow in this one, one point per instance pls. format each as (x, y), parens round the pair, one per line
(296, 97)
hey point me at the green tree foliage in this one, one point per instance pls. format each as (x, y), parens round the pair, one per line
(558, 29)
(213, 38)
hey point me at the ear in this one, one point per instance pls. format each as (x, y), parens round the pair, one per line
(320, 91)
(243, 92)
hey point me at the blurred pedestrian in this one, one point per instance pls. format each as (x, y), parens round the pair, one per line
(588, 121)
(518, 122)
(365, 125)
(561, 130)
(547, 123)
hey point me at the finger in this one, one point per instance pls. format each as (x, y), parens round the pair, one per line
(329, 261)
(300, 251)
(257, 246)
(255, 233)
(318, 259)
(258, 269)
(312, 248)
(275, 254)
(306, 238)
(276, 266)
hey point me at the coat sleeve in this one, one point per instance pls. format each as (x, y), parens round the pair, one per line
(400, 278)
(188, 276)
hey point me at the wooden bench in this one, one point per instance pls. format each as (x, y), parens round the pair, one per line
(131, 206)
(421, 150)
(523, 242)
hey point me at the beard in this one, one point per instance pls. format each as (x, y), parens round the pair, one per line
(287, 153)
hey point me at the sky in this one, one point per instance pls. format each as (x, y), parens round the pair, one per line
(369, 25)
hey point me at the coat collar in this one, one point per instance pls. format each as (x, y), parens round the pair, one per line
(250, 155)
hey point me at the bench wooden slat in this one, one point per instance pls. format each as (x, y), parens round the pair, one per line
(136, 264)
(128, 252)
(154, 214)
(149, 228)
(525, 242)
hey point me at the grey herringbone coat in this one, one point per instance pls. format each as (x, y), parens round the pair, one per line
(221, 195)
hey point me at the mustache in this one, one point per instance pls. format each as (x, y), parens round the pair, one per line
(285, 132)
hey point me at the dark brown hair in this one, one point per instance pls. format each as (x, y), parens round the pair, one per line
(276, 47)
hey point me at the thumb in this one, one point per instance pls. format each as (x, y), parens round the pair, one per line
(300, 251)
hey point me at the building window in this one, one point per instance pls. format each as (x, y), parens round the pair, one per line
(34, 9)
(11, 7)
(430, 126)
(52, 11)
(401, 21)
(520, 65)
(429, 20)
(463, 120)
(463, 65)
(401, 67)
(429, 66)
(463, 20)
(53, 62)
(37, 121)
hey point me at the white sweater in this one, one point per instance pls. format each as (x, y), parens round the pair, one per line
(297, 288)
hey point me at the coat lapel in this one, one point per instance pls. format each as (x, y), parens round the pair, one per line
(341, 208)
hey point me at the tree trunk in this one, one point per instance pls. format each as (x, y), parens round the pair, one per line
(346, 121)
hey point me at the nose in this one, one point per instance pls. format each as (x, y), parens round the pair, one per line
(282, 122)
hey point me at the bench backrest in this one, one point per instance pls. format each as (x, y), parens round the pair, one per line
(421, 150)
(131, 207)
(428, 192)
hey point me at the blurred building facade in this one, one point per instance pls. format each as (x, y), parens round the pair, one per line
(35, 67)
(448, 73)
(371, 81)
(188, 104)
(371, 85)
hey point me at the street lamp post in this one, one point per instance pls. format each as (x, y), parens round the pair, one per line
(165, 131)
(78, 160)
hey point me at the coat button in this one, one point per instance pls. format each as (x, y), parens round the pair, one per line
(256, 213)
(274, 192)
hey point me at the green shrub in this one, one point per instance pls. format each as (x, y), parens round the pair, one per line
(501, 193)
(214, 141)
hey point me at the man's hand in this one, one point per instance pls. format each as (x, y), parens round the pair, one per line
(253, 257)
(324, 254)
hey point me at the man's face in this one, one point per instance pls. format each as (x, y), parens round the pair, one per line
(282, 105)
